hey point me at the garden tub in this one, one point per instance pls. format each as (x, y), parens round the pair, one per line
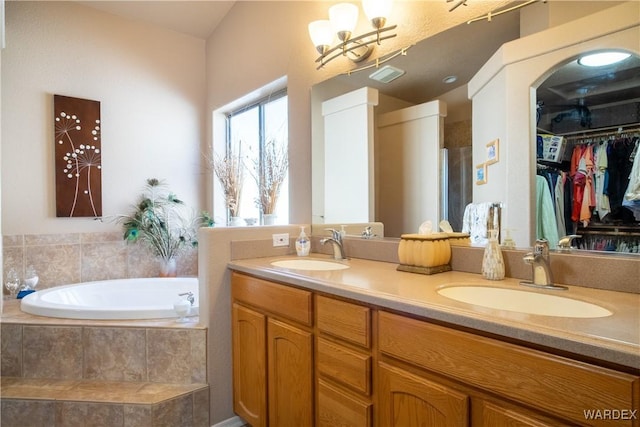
(146, 298)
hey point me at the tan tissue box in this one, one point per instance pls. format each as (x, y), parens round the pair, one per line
(459, 239)
(424, 254)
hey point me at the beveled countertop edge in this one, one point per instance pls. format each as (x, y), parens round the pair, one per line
(590, 347)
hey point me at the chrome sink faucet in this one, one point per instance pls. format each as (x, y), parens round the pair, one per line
(565, 243)
(540, 267)
(336, 241)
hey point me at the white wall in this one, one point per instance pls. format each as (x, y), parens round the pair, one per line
(151, 85)
(505, 87)
(409, 143)
(349, 168)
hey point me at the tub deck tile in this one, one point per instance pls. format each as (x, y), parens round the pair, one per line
(94, 391)
(11, 313)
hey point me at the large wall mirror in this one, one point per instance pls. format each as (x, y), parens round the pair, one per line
(460, 52)
(588, 127)
(609, 91)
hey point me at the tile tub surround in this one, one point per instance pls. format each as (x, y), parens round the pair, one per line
(62, 259)
(115, 372)
(38, 402)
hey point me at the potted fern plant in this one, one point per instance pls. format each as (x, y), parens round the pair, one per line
(163, 223)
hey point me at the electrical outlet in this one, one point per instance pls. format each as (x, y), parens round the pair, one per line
(280, 239)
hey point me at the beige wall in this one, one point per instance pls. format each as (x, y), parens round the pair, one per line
(157, 90)
(150, 83)
(248, 51)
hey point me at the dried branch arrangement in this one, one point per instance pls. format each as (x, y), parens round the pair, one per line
(230, 172)
(270, 175)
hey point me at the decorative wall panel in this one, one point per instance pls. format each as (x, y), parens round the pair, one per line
(78, 165)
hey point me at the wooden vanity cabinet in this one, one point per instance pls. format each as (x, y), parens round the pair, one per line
(343, 364)
(507, 384)
(272, 353)
(305, 359)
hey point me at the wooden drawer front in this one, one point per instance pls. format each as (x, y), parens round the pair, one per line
(346, 366)
(292, 303)
(558, 385)
(348, 321)
(337, 408)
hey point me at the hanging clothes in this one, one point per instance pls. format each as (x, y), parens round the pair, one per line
(558, 196)
(546, 225)
(620, 166)
(632, 194)
(583, 190)
(601, 178)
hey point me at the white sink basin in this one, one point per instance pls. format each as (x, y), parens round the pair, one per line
(309, 264)
(524, 301)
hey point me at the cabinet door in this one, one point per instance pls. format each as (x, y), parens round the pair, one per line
(494, 415)
(407, 400)
(249, 365)
(290, 375)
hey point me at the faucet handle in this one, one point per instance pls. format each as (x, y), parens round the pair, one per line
(566, 242)
(335, 234)
(541, 248)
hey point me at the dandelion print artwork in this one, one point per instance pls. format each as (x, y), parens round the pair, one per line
(78, 157)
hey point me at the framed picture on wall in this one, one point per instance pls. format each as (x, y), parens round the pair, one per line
(493, 151)
(481, 174)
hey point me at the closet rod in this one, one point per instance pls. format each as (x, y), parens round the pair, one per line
(611, 130)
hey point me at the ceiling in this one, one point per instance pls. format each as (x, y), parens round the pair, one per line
(459, 51)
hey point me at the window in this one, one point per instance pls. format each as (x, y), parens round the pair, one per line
(258, 135)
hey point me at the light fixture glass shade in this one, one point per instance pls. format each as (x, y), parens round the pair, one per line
(377, 8)
(601, 59)
(321, 33)
(343, 17)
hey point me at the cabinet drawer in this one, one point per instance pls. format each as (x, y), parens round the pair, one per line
(558, 385)
(343, 365)
(337, 408)
(291, 303)
(350, 322)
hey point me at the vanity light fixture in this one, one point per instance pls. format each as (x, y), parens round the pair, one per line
(601, 59)
(342, 21)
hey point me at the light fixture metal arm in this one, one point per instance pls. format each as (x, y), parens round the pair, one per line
(354, 43)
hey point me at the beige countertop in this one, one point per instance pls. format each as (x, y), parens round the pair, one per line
(614, 339)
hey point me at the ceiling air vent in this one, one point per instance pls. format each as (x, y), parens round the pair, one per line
(386, 74)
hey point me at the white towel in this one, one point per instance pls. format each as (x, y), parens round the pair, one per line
(474, 222)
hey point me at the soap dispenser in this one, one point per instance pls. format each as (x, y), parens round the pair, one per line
(492, 262)
(303, 245)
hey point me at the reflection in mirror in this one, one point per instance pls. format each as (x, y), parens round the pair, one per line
(460, 52)
(588, 128)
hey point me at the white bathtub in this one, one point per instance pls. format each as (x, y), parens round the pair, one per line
(113, 299)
